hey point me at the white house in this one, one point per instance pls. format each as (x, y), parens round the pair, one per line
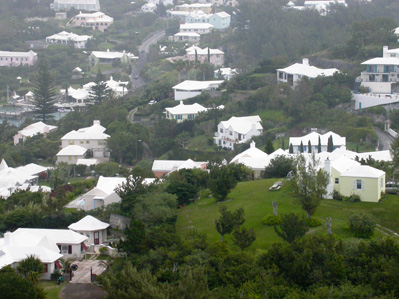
(200, 28)
(165, 167)
(225, 73)
(67, 38)
(119, 88)
(75, 144)
(206, 55)
(194, 7)
(149, 7)
(183, 112)
(48, 245)
(88, 5)
(338, 142)
(381, 72)
(189, 89)
(94, 229)
(110, 56)
(254, 159)
(164, 2)
(219, 20)
(188, 37)
(96, 21)
(295, 72)
(20, 178)
(237, 130)
(32, 130)
(14, 59)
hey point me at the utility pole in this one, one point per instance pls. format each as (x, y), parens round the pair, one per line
(8, 95)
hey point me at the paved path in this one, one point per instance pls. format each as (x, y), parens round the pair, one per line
(82, 275)
(384, 139)
(82, 291)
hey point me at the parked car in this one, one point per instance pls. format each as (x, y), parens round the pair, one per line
(392, 188)
(152, 102)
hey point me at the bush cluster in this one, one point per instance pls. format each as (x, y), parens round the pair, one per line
(314, 221)
(271, 220)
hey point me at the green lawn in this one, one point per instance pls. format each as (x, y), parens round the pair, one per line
(256, 199)
(51, 288)
(200, 143)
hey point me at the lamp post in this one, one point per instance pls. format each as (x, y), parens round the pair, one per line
(137, 140)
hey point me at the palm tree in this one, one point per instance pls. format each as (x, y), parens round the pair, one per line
(66, 265)
(31, 268)
(180, 65)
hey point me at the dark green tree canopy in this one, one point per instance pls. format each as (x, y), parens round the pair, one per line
(44, 90)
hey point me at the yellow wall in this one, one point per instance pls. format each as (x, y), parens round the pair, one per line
(372, 188)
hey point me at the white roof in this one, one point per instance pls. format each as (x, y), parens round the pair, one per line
(308, 70)
(95, 132)
(186, 109)
(197, 85)
(194, 5)
(58, 236)
(253, 158)
(204, 51)
(77, 1)
(87, 162)
(343, 164)
(378, 156)
(17, 54)
(382, 61)
(187, 34)
(88, 224)
(196, 26)
(252, 152)
(226, 71)
(30, 169)
(100, 16)
(72, 150)
(36, 128)
(170, 165)
(363, 171)
(314, 139)
(78, 94)
(242, 124)
(15, 177)
(69, 36)
(112, 55)
(222, 14)
(109, 184)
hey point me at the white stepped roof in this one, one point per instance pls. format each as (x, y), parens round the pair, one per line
(88, 224)
(363, 171)
(72, 150)
(186, 109)
(243, 124)
(343, 164)
(112, 55)
(109, 184)
(28, 236)
(196, 26)
(382, 61)
(192, 34)
(222, 14)
(17, 54)
(252, 152)
(197, 85)
(87, 162)
(68, 36)
(169, 165)
(95, 132)
(36, 128)
(204, 51)
(314, 139)
(308, 70)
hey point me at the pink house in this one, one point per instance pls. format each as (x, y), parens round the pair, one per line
(214, 56)
(13, 59)
(97, 21)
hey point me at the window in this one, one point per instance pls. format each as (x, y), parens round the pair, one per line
(221, 130)
(231, 133)
(358, 185)
(45, 268)
(64, 248)
(337, 180)
(100, 142)
(87, 141)
(81, 142)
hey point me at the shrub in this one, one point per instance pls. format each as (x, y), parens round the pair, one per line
(314, 221)
(361, 225)
(103, 250)
(352, 198)
(272, 220)
(337, 196)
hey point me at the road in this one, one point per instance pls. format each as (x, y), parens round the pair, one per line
(384, 139)
(143, 51)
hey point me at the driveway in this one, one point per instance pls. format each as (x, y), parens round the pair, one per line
(82, 291)
(384, 139)
(82, 275)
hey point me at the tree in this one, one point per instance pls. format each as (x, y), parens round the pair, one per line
(44, 90)
(310, 184)
(269, 146)
(292, 227)
(243, 237)
(13, 285)
(301, 147)
(31, 268)
(279, 167)
(309, 147)
(134, 238)
(221, 181)
(228, 221)
(291, 149)
(99, 91)
(66, 264)
(129, 192)
(319, 146)
(330, 144)
(361, 225)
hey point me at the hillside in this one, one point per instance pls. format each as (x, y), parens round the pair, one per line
(256, 199)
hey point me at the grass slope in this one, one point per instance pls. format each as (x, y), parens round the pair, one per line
(256, 199)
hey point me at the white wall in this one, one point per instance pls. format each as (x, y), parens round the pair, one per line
(366, 101)
(182, 95)
(378, 87)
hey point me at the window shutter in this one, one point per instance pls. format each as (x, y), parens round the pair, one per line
(69, 249)
(59, 247)
(362, 185)
(354, 185)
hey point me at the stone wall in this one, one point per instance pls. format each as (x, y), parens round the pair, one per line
(119, 222)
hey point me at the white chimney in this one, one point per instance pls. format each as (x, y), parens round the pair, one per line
(305, 61)
(384, 51)
(7, 239)
(252, 145)
(327, 166)
(107, 50)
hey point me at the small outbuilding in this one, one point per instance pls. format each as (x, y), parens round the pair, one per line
(94, 229)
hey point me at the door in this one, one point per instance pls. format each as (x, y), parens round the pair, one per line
(96, 238)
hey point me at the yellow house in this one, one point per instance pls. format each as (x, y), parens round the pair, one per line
(183, 112)
(362, 180)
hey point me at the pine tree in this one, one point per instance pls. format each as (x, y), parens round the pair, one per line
(330, 144)
(44, 90)
(291, 150)
(301, 147)
(269, 146)
(282, 144)
(100, 91)
(319, 146)
(309, 147)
